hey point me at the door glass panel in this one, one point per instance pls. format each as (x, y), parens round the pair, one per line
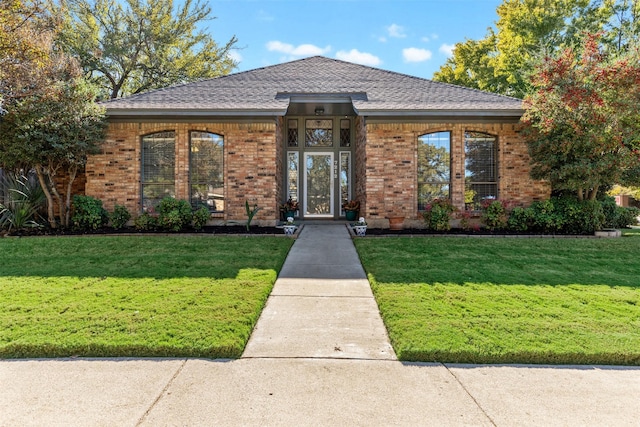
(345, 182)
(318, 184)
(292, 175)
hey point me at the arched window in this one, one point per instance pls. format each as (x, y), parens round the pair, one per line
(434, 168)
(158, 168)
(206, 171)
(480, 169)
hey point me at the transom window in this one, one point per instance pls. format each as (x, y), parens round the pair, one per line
(158, 168)
(206, 172)
(480, 174)
(434, 168)
(318, 133)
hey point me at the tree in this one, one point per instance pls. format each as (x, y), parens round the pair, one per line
(582, 121)
(51, 121)
(130, 46)
(526, 31)
(26, 31)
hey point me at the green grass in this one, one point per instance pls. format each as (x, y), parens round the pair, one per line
(508, 300)
(134, 296)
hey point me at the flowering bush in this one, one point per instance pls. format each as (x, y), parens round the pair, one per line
(438, 215)
(494, 213)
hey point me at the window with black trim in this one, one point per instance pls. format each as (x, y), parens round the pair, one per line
(158, 168)
(434, 168)
(206, 171)
(480, 169)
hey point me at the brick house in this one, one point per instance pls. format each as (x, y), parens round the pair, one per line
(319, 131)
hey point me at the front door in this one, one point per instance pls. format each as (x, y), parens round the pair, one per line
(318, 169)
(318, 185)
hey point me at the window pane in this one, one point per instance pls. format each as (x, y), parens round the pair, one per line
(345, 133)
(158, 168)
(434, 167)
(480, 169)
(318, 133)
(206, 171)
(292, 133)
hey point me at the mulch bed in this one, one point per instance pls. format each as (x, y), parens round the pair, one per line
(223, 229)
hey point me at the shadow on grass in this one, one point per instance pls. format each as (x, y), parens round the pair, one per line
(157, 257)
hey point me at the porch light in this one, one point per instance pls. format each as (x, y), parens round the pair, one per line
(319, 111)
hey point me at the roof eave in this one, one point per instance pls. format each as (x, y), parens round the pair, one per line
(436, 113)
(162, 112)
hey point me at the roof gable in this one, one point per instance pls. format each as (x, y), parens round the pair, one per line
(268, 91)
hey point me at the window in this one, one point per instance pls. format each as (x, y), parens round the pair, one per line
(318, 133)
(292, 133)
(206, 173)
(345, 133)
(434, 167)
(158, 168)
(480, 174)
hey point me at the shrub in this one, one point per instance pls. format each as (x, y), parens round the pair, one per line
(494, 214)
(200, 218)
(627, 216)
(520, 219)
(88, 213)
(119, 217)
(22, 203)
(580, 216)
(438, 215)
(545, 218)
(174, 215)
(145, 222)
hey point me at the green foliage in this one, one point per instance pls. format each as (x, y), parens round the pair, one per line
(525, 32)
(520, 219)
(494, 214)
(545, 218)
(200, 218)
(581, 123)
(119, 217)
(437, 215)
(22, 204)
(145, 222)
(618, 216)
(88, 213)
(580, 216)
(251, 212)
(174, 215)
(143, 44)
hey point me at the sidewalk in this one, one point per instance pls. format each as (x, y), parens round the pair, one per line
(319, 356)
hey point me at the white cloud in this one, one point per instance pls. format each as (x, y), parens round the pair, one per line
(425, 39)
(300, 50)
(447, 49)
(357, 57)
(235, 55)
(397, 31)
(414, 54)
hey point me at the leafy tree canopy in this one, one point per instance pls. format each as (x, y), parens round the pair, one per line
(582, 121)
(131, 46)
(529, 30)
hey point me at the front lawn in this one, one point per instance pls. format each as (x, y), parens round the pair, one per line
(134, 296)
(508, 300)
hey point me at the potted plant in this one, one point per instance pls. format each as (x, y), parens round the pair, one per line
(351, 209)
(290, 227)
(360, 227)
(289, 208)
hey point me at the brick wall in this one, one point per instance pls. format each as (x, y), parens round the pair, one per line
(385, 166)
(390, 182)
(250, 166)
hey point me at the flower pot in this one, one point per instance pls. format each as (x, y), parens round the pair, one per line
(396, 222)
(289, 230)
(289, 214)
(351, 215)
(361, 230)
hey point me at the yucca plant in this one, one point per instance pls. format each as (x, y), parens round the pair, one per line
(22, 203)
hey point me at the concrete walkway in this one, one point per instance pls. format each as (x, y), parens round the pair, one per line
(318, 356)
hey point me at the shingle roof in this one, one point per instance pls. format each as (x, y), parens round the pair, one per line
(267, 91)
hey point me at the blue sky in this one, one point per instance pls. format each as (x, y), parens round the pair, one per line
(413, 37)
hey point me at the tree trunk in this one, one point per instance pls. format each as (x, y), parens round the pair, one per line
(54, 191)
(73, 171)
(593, 193)
(580, 194)
(45, 188)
